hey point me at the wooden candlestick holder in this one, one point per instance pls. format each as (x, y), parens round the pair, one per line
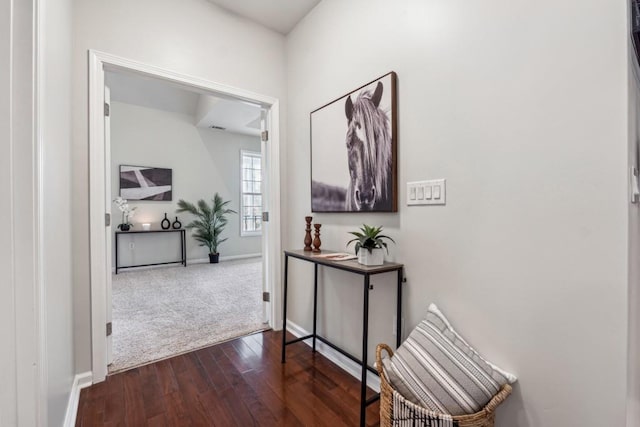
(316, 240)
(307, 237)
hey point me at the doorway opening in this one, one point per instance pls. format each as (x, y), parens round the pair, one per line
(172, 147)
(251, 189)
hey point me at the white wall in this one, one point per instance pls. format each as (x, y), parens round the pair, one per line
(192, 37)
(203, 162)
(522, 108)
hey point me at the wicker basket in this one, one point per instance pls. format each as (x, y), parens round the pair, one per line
(483, 418)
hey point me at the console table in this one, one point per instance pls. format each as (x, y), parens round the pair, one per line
(351, 266)
(183, 247)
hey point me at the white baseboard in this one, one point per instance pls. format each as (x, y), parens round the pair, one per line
(192, 261)
(223, 258)
(79, 382)
(348, 365)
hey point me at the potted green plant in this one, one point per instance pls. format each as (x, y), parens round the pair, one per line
(209, 223)
(369, 238)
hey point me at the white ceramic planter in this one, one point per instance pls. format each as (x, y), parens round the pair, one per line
(375, 257)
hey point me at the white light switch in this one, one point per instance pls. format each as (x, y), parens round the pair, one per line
(436, 192)
(432, 192)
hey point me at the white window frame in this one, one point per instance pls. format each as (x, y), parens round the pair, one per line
(251, 153)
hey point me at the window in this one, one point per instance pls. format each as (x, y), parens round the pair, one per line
(251, 182)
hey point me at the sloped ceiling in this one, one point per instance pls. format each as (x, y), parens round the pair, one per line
(151, 93)
(278, 15)
(207, 111)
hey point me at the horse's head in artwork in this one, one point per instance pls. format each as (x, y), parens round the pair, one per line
(369, 152)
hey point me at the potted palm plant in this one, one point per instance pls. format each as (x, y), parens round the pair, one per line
(209, 223)
(370, 239)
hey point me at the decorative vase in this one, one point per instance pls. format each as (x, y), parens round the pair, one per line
(307, 237)
(165, 224)
(214, 258)
(316, 240)
(176, 224)
(375, 257)
(124, 227)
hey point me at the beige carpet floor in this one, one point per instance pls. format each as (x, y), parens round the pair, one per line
(162, 312)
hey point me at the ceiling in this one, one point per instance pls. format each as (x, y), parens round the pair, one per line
(151, 92)
(278, 15)
(207, 111)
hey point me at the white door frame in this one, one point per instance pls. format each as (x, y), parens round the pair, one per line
(108, 229)
(98, 62)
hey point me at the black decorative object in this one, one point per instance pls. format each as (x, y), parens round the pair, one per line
(124, 227)
(165, 224)
(214, 258)
(177, 224)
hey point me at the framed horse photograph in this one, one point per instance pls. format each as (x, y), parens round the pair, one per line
(354, 150)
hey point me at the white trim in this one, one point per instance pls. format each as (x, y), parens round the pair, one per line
(97, 209)
(346, 364)
(79, 382)
(108, 230)
(272, 248)
(192, 261)
(115, 63)
(249, 153)
(41, 289)
(98, 62)
(250, 233)
(24, 333)
(264, 241)
(224, 258)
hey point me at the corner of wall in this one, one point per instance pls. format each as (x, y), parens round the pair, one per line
(80, 381)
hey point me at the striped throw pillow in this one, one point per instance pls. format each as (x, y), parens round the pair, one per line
(437, 369)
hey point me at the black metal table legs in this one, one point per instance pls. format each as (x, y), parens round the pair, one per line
(366, 272)
(284, 308)
(365, 342)
(399, 311)
(315, 305)
(183, 248)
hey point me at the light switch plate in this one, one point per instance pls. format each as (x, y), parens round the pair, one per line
(433, 191)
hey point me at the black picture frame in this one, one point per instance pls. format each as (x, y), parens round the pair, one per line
(146, 183)
(354, 148)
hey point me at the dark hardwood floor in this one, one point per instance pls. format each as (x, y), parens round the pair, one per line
(237, 383)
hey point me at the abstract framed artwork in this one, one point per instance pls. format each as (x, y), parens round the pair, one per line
(354, 150)
(145, 183)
